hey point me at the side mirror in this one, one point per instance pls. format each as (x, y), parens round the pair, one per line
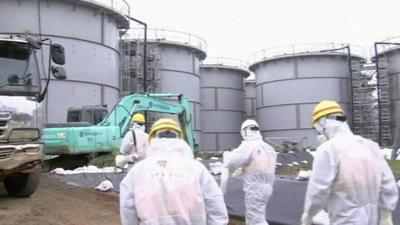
(57, 54)
(59, 73)
(35, 43)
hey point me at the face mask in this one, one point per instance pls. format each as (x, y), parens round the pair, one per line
(250, 133)
(320, 127)
(138, 126)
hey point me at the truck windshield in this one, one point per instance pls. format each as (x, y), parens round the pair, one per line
(19, 73)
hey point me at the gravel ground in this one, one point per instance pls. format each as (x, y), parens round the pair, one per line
(55, 203)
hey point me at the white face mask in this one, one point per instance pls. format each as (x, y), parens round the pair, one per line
(138, 127)
(320, 126)
(329, 127)
(248, 134)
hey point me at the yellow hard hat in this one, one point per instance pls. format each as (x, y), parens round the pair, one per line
(326, 108)
(162, 124)
(138, 118)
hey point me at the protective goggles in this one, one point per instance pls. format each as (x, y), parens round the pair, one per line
(166, 133)
(320, 125)
(253, 128)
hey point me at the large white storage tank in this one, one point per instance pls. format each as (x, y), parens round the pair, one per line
(290, 81)
(222, 102)
(172, 67)
(88, 30)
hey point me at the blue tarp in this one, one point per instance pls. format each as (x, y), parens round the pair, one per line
(285, 205)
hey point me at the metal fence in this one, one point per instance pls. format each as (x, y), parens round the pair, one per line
(385, 48)
(121, 6)
(164, 35)
(303, 49)
(224, 61)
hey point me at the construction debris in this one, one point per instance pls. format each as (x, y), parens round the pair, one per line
(104, 186)
(304, 175)
(85, 169)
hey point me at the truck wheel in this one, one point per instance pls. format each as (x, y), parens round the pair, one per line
(22, 185)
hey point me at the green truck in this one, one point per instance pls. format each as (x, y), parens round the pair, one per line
(107, 135)
(21, 146)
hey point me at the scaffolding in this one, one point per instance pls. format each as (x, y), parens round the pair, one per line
(365, 111)
(372, 113)
(132, 74)
(384, 97)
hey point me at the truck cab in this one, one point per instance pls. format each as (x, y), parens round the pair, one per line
(21, 146)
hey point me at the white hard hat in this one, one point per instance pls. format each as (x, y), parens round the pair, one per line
(249, 123)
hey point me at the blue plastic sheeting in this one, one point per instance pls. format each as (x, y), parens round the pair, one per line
(91, 180)
(285, 205)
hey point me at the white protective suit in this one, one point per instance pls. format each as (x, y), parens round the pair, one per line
(258, 161)
(169, 187)
(350, 179)
(128, 145)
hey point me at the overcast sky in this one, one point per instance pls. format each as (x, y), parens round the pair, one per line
(237, 28)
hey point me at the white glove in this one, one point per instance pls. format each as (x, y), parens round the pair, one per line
(321, 218)
(122, 160)
(238, 172)
(321, 139)
(224, 179)
(385, 217)
(225, 157)
(306, 219)
(132, 157)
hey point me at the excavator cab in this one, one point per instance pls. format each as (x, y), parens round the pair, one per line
(90, 114)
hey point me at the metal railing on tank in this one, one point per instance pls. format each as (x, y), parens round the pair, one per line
(163, 35)
(290, 50)
(391, 44)
(225, 61)
(121, 6)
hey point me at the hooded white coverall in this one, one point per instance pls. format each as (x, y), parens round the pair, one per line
(129, 147)
(169, 187)
(258, 161)
(350, 179)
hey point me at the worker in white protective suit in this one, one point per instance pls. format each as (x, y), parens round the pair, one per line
(257, 160)
(169, 187)
(350, 178)
(135, 142)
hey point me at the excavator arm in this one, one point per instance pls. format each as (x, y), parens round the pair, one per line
(159, 103)
(106, 136)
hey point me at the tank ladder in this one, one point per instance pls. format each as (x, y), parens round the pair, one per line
(385, 107)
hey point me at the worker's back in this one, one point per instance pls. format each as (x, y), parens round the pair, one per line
(170, 187)
(356, 187)
(170, 191)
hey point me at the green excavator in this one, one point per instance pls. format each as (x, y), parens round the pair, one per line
(107, 135)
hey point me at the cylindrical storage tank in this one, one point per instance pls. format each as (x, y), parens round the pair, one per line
(222, 102)
(389, 73)
(174, 59)
(250, 99)
(88, 30)
(290, 82)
